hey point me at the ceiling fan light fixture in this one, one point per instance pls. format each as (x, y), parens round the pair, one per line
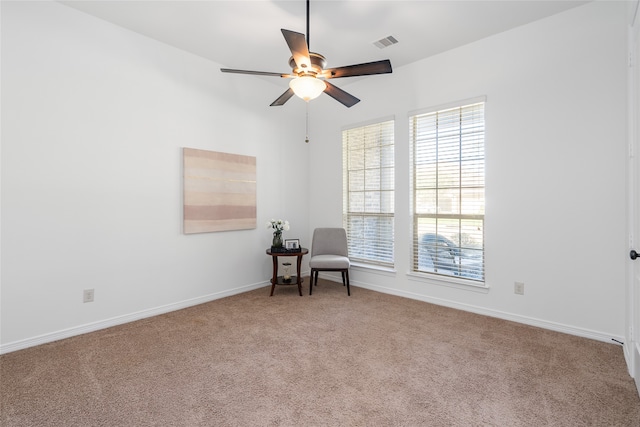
(307, 87)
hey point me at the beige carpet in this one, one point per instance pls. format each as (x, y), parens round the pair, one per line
(322, 360)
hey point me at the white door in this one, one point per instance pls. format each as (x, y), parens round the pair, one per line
(632, 345)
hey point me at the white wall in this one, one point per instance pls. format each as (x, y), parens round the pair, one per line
(555, 168)
(93, 121)
(94, 116)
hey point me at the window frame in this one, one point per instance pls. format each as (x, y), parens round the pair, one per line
(464, 275)
(388, 214)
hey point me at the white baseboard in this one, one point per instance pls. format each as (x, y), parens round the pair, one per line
(119, 320)
(107, 323)
(635, 360)
(553, 326)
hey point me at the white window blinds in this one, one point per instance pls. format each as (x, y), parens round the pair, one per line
(448, 200)
(368, 205)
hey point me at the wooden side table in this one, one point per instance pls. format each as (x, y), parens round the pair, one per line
(279, 280)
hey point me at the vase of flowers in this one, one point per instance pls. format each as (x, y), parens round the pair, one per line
(277, 226)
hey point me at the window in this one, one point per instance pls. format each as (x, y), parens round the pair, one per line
(447, 148)
(368, 179)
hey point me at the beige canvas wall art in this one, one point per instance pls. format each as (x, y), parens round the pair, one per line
(219, 191)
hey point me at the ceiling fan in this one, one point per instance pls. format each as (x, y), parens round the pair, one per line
(309, 75)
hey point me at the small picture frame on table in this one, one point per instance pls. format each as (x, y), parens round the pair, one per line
(292, 245)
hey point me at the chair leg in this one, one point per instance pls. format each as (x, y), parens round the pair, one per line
(311, 282)
(348, 290)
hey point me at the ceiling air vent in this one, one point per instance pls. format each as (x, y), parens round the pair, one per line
(385, 42)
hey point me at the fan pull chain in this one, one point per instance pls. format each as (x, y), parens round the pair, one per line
(307, 123)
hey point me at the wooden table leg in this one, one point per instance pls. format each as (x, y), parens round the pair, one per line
(274, 280)
(299, 262)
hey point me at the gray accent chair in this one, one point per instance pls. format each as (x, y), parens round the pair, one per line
(329, 252)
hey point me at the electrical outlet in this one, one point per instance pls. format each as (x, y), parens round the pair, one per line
(87, 295)
(518, 288)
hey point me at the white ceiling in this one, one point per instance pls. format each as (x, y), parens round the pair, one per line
(246, 34)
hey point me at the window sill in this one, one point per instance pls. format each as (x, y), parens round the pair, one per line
(371, 268)
(450, 282)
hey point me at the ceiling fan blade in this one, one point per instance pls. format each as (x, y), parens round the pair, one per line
(255, 73)
(366, 69)
(341, 96)
(283, 98)
(299, 49)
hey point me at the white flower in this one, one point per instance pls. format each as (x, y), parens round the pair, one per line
(278, 225)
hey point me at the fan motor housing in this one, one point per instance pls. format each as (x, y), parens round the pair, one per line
(318, 62)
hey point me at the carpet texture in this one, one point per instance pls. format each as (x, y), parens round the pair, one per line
(323, 360)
